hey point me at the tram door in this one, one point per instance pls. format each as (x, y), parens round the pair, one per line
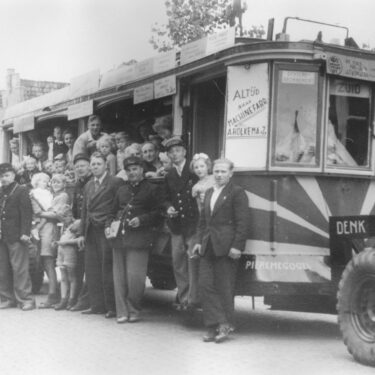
(208, 117)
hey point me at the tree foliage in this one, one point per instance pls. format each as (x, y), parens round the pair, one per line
(189, 20)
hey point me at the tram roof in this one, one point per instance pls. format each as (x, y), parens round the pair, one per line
(119, 81)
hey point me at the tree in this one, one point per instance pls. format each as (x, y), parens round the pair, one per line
(189, 20)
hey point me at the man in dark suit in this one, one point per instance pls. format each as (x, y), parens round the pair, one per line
(222, 236)
(138, 206)
(97, 205)
(83, 175)
(15, 226)
(183, 215)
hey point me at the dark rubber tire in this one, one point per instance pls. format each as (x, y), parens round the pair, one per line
(356, 307)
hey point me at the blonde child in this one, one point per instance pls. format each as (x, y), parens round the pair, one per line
(122, 142)
(67, 261)
(105, 146)
(41, 200)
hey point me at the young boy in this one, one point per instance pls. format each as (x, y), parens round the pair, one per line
(67, 261)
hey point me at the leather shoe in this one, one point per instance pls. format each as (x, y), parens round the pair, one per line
(122, 319)
(92, 311)
(7, 305)
(28, 306)
(134, 318)
(79, 307)
(110, 314)
(210, 335)
(223, 333)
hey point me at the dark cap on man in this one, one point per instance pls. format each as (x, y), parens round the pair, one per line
(133, 160)
(174, 141)
(6, 167)
(81, 156)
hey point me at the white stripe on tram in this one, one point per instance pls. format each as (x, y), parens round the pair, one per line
(257, 202)
(258, 247)
(312, 189)
(369, 201)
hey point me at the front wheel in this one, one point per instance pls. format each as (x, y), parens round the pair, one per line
(356, 307)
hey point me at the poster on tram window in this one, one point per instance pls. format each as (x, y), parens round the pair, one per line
(246, 130)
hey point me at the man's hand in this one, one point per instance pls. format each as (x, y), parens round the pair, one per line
(134, 223)
(81, 242)
(197, 251)
(234, 253)
(107, 231)
(25, 238)
(171, 212)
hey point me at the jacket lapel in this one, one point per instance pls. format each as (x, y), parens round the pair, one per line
(221, 198)
(207, 203)
(103, 185)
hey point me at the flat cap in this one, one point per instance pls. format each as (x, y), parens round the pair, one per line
(133, 160)
(81, 156)
(6, 167)
(174, 141)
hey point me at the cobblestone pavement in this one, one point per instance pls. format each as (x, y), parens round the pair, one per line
(48, 342)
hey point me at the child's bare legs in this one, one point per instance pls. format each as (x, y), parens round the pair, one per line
(64, 287)
(73, 286)
(49, 268)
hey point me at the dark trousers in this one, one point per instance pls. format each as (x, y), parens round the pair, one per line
(217, 276)
(82, 291)
(129, 273)
(15, 283)
(98, 268)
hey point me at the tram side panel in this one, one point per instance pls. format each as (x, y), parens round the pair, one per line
(289, 249)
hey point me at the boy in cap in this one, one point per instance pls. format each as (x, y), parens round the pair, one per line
(15, 227)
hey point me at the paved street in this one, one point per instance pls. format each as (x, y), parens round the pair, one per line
(49, 342)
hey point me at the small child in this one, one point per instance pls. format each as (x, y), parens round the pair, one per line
(67, 261)
(122, 141)
(104, 146)
(41, 200)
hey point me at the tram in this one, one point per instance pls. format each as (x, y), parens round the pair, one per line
(297, 120)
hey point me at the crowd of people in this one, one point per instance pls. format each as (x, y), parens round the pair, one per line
(95, 212)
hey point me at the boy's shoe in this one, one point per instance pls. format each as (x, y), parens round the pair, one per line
(71, 303)
(50, 302)
(133, 318)
(62, 304)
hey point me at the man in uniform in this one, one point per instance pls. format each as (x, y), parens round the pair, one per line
(15, 226)
(83, 174)
(183, 215)
(138, 206)
(98, 197)
(222, 236)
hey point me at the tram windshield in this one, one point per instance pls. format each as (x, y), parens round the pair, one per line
(348, 130)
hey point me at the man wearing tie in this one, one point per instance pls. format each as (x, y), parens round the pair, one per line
(98, 198)
(222, 236)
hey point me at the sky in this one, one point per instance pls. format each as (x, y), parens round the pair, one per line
(61, 39)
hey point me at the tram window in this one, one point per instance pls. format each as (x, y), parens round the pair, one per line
(296, 118)
(348, 127)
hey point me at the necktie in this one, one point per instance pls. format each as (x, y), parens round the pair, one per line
(97, 185)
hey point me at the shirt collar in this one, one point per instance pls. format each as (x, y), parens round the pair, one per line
(180, 167)
(101, 178)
